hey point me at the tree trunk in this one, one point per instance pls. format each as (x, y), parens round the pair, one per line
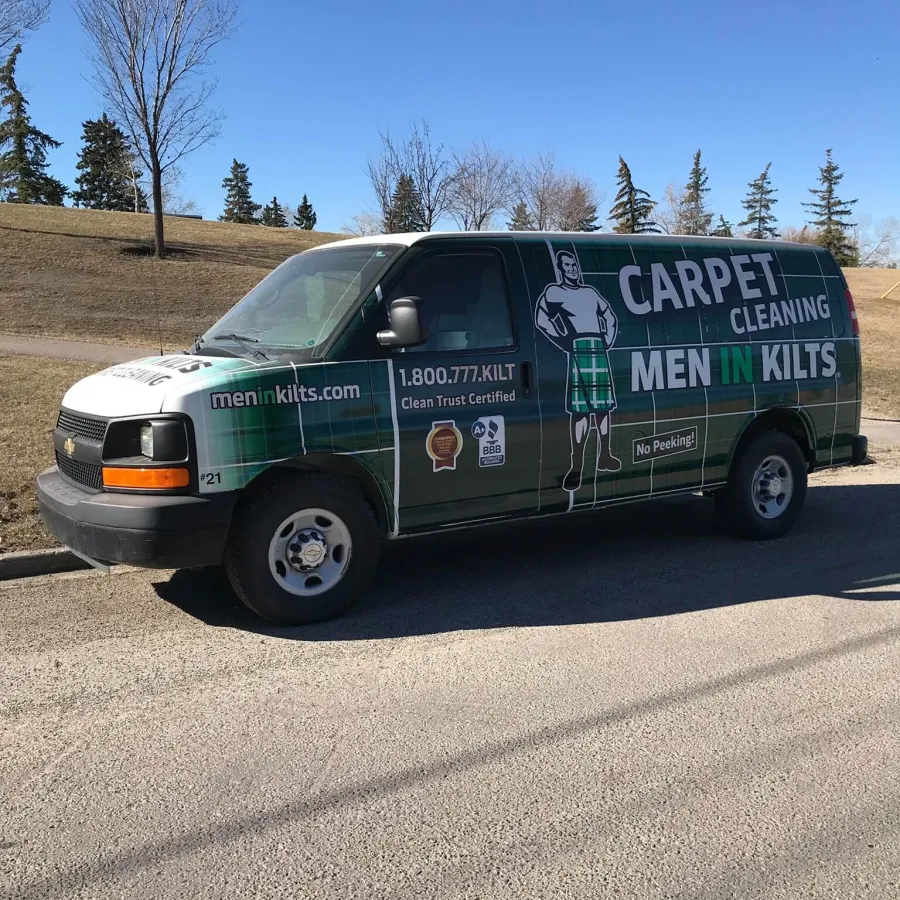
(158, 236)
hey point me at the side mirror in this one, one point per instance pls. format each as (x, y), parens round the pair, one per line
(405, 330)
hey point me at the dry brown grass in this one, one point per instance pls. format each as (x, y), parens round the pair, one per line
(879, 331)
(32, 389)
(71, 273)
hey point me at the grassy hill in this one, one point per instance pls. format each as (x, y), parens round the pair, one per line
(85, 274)
(88, 274)
(879, 330)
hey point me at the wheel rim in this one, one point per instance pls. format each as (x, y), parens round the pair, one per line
(772, 487)
(309, 552)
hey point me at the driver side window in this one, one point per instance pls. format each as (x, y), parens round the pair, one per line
(464, 301)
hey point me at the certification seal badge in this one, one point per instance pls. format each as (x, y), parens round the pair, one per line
(443, 445)
(490, 432)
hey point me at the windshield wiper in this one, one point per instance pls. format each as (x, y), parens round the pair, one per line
(243, 341)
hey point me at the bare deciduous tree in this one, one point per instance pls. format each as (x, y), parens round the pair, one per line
(541, 186)
(426, 163)
(133, 177)
(174, 203)
(555, 199)
(383, 180)
(670, 215)
(148, 56)
(430, 169)
(876, 242)
(363, 225)
(484, 184)
(20, 16)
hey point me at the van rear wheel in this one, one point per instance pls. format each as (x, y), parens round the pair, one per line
(766, 488)
(303, 549)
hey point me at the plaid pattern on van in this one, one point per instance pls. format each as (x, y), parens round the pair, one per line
(590, 384)
(235, 443)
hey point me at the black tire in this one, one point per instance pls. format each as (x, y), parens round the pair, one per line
(735, 502)
(255, 523)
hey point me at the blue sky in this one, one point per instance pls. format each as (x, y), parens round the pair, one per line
(306, 87)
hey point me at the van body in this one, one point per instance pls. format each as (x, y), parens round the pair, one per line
(395, 385)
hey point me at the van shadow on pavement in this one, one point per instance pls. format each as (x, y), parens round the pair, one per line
(650, 559)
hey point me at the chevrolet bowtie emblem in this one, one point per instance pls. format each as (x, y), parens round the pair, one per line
(69, 446)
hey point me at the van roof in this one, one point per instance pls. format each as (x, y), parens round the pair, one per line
(407, 239)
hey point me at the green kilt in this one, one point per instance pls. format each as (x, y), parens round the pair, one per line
(590, 381)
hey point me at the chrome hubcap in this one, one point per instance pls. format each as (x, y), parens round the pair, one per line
(772, 487)
(309, 552)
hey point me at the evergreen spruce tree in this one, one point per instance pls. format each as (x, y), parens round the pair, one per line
(632, 206)
(520, 220)
(109, 176)
(831, 214)
(305, 218)
(760, 219)
(580, 212)
(273, 215)
(695, 217)
(239, 205)
(588, 222)
(723, 229)
(405, 213)
(23, 149)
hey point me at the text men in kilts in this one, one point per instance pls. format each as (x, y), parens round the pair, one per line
(576, 319)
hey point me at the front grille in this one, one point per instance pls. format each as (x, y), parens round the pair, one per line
(82, 426)
(80, 472)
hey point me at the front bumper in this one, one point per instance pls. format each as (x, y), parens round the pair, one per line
(161, 532)
(860, 450)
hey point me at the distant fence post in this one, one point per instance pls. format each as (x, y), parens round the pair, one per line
(890, 290)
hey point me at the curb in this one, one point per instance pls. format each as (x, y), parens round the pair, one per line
(38, 562)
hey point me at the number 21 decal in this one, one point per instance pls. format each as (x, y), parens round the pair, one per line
(211, 478)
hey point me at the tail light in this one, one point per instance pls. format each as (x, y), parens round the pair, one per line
(854, 321)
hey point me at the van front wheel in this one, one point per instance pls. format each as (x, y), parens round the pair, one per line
(766, 488)
(303, 549)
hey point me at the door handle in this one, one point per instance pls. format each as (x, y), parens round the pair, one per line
(527, 383)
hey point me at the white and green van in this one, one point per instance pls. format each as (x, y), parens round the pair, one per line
(382, 387)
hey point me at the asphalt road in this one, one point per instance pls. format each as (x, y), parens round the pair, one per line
(624, 704)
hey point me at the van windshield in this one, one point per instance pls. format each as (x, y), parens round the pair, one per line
(299, 304)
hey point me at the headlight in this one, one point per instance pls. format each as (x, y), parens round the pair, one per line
(160, 440)
(147, 440)
(164, 440)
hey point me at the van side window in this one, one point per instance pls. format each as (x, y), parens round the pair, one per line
(464, 302)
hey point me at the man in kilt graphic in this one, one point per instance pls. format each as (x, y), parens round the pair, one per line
(576, 319)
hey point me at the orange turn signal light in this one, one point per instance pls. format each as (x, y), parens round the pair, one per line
(145, 479)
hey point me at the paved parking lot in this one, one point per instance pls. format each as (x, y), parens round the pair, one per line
(623, 704)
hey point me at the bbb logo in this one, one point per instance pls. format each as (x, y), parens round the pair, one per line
(490, 432)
